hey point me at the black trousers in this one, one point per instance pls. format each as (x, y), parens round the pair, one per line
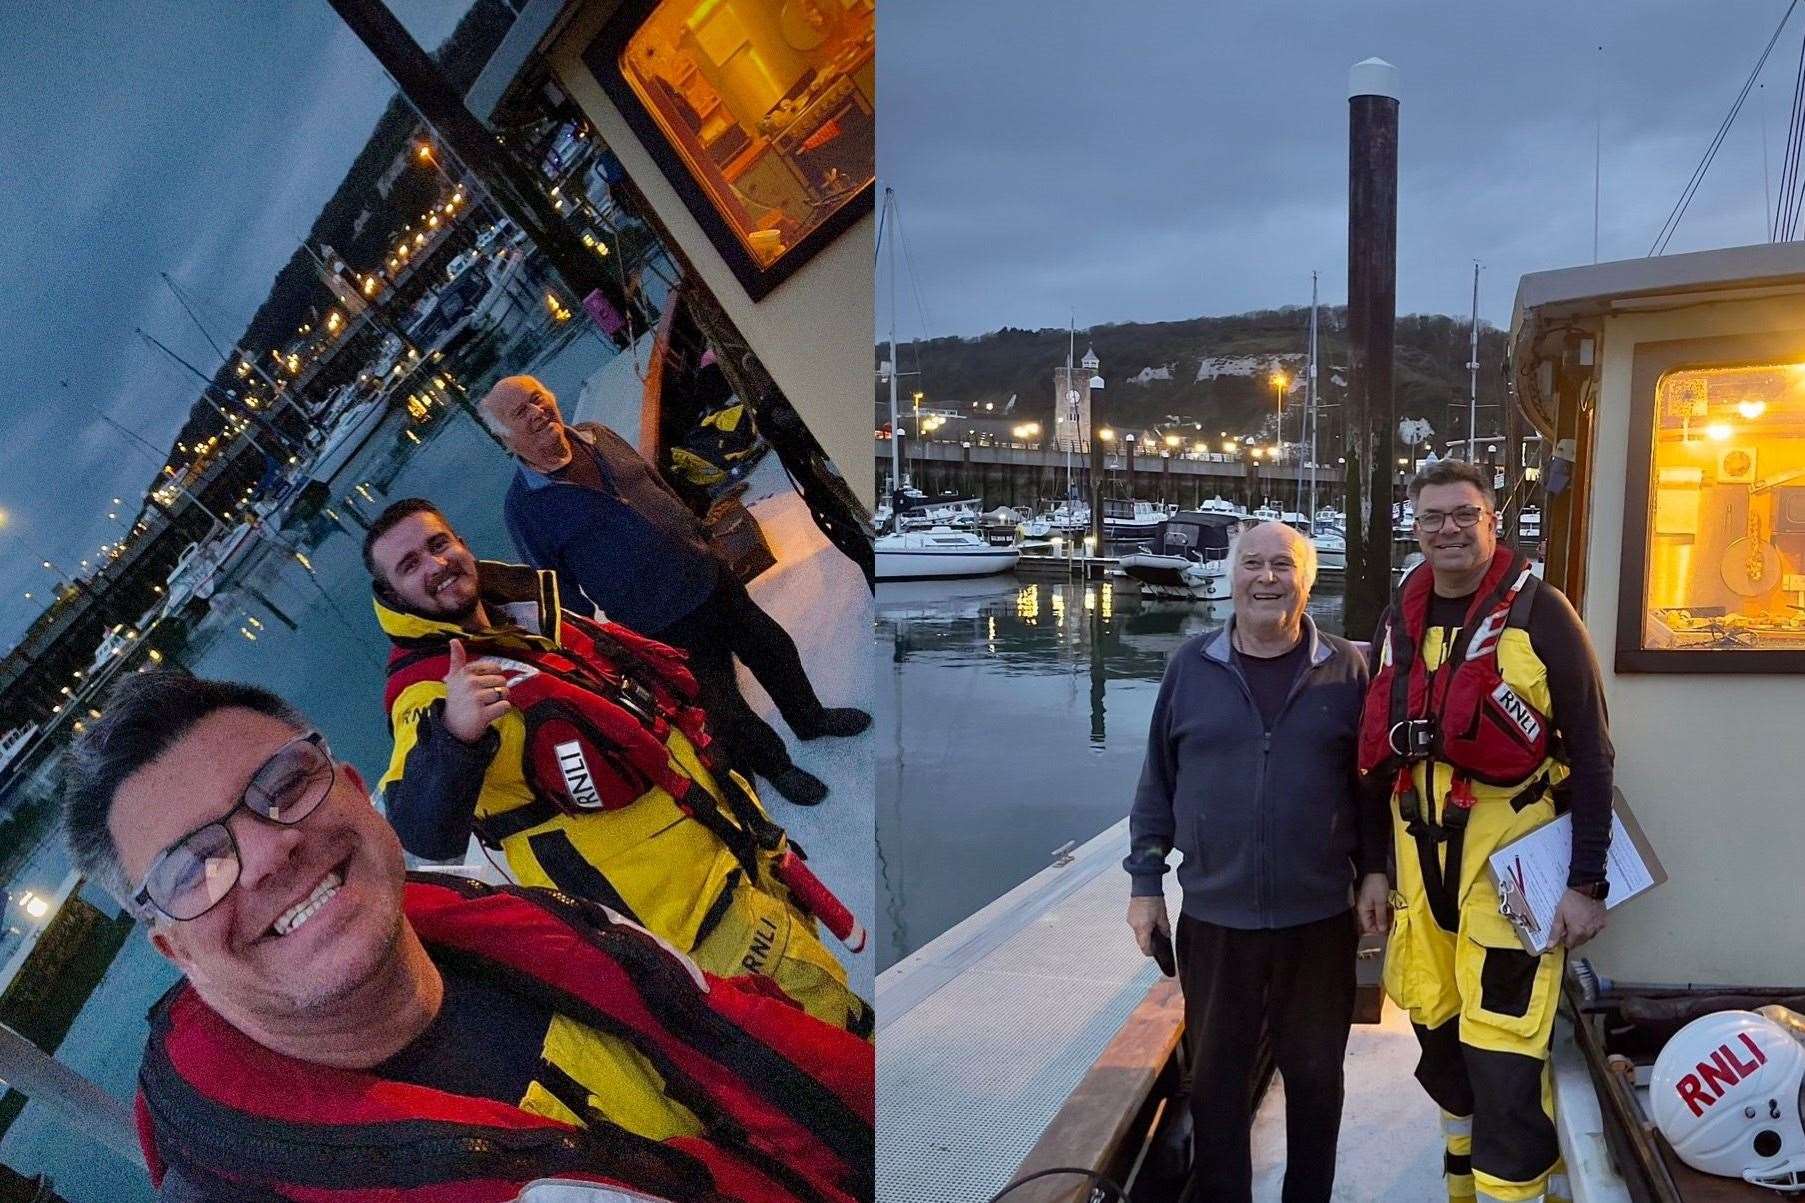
(1296, 984)
(730, 624)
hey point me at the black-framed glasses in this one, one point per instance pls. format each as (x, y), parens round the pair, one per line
(188, 878)
(1465, 517)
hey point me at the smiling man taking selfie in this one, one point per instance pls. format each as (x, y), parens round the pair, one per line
(345, 1031)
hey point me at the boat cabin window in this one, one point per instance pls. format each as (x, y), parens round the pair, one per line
(762, 114)
(1724, 563)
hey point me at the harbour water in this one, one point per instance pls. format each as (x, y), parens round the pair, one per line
(330, 665)
(1026, 707)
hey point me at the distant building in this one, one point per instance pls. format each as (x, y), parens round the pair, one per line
(1072, 404)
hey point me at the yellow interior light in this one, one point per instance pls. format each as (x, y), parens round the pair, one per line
(1718, 432)
(1751, 409)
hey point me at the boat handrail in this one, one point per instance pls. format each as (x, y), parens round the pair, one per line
(1105, 1119)
(82, 1104)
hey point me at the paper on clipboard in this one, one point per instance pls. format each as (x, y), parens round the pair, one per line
(1530, 873)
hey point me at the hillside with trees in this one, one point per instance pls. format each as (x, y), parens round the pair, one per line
(358, 220)
(1211, 371)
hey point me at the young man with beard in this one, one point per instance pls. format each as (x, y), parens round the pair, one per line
(575, 748)
(345, 1031)
(1250, 773)
(585, 505)
(1485, 719)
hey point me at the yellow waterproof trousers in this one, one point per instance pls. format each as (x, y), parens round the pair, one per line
(758, 932)
(1482, 1007)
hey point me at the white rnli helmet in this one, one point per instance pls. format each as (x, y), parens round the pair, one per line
(1725, 1094)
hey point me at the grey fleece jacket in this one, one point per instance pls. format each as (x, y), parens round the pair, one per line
(1273, 824)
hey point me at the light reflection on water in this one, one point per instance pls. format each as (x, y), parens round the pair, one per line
(1013, 720)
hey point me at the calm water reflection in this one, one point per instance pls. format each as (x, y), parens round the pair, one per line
(1013, 720)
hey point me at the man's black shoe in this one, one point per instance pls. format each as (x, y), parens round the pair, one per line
(840, 720)
(799, 786)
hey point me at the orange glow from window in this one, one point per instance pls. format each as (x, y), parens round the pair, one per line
(1726, 544)
(770, 108)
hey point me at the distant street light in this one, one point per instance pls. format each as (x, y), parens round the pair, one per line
(1278, 385)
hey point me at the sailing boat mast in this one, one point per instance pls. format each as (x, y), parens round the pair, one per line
(1071, 408)
(1310, 405)
(1473, 374)
(896, 485)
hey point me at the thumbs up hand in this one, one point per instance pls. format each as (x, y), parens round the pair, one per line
(476, 694)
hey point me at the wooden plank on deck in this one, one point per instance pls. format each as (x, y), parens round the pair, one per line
(1096, 1118)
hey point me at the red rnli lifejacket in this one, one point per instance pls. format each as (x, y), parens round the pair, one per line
(1464, 714)
(787, 1102)
(598, 711)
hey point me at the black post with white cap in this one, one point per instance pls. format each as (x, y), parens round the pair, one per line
(1372, 292)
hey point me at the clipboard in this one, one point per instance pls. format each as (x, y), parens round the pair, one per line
(1530, 872)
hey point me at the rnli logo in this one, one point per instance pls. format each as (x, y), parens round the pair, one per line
(578, 780)
(1518, 711)
(764, 939)
(1706, 1084)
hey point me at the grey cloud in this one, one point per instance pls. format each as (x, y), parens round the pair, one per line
(1164, 159)
(194, 138)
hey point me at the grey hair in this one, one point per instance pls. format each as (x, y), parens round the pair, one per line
(145, 715)
(493, 425)
(1454, 472)
(1306, 554)
(489, 419)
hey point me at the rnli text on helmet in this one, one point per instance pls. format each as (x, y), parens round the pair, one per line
(1722, 1070)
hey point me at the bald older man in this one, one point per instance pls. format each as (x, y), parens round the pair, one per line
(587, 506)
(1251, 774)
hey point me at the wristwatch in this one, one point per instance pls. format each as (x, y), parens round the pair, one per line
(1595, 890)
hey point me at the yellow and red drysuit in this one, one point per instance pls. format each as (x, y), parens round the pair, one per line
(1459, 720)
(597, 783)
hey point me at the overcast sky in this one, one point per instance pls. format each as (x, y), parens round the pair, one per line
(1169, 158)
(197, 138)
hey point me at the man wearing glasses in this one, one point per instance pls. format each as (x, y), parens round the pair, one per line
(1486, 718)
(346, 1030)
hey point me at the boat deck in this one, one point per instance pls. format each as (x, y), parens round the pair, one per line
(821, 598)
(984, 1032)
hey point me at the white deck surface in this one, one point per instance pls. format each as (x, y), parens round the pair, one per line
(1390, 1145)
(984, 1032)
(820, 597)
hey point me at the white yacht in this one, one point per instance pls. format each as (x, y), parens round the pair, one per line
(1125, 520)
(1064, 520)
(940, 552)
(14, 742)
(202, 567)
(1331, 548)
(961, 514)
(1218, 505)
(348, 435)
(113, 646)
